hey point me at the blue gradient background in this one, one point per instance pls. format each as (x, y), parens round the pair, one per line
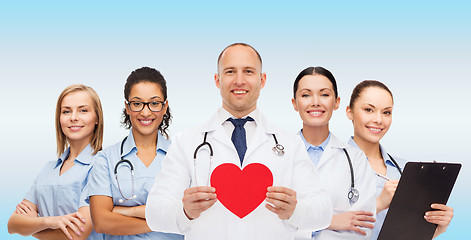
(420, 49)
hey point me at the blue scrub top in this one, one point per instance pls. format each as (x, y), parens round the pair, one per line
(58, 195)
(103, 182)
(391, 172)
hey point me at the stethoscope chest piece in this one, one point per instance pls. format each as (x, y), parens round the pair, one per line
(353, 195)
(279, 150)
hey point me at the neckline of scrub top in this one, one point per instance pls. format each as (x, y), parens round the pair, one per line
(85, 157)
(384, 154)
(129, 145)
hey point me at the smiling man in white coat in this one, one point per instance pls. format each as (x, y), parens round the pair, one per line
(237, 176)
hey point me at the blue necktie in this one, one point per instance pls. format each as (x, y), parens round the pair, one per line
(238, 136)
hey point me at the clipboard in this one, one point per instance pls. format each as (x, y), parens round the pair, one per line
(421, 184)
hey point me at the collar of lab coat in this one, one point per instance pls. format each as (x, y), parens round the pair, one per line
(332, 148)
(263, 133)
(214, 123)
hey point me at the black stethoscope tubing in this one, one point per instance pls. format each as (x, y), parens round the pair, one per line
(132, 174)
(354, 194)
(395, 164)
(278, 149)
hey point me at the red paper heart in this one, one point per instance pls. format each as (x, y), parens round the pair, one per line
(241, 191)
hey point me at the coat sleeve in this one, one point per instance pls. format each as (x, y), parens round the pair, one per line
(314, 207)
(164, 209)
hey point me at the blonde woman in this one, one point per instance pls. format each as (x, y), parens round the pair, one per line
(54, 207)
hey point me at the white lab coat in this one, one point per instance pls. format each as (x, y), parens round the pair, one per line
(334, 171)
(164, 210)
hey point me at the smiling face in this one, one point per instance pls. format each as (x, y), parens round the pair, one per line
(240, 80)
(315, 100)
(146, 122)
(77, 117)
(371, 114)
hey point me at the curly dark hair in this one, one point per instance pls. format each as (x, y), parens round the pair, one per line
(147, 74)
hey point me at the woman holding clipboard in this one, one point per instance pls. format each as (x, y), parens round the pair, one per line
(370, 109)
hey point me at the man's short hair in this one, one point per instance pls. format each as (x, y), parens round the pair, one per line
(239, 44)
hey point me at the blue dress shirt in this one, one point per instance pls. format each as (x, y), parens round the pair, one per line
(58, 195)
(315, 152)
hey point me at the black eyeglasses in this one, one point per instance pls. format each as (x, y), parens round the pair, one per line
(154, 106)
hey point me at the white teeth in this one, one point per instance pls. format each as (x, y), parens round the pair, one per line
(375, 129)
(315, 113)
(146, 122)
(74, 128)
(239, 91)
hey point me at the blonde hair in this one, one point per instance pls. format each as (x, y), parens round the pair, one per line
(97, 137)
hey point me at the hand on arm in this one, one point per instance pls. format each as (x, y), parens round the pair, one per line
(441, 216)
(25, 221)
(27, 208)
(112, 223)
(386, 195)
(197, 200)
(86, 229)
(283, 201)
(352, 221)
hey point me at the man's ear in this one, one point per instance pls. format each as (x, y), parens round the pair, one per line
(217, 80)
(263, 80)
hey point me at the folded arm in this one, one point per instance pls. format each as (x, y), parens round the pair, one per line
(25, 221)
(113, 223)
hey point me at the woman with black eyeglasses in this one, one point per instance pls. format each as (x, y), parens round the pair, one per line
(124, 173)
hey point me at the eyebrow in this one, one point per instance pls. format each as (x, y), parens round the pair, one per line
(305, 89)
(81, 106)
(328, 89)
(371, 105)
(138, 98)
(320, 90)
(244, 67)
(227, 68)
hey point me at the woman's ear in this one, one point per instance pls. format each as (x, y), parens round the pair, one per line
(349, 113)
(337, 103)
(295, 106)
(126, 107)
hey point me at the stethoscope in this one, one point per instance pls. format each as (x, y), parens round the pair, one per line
(395, 164)
(354, 194)
(278, 149)
(123, 161)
